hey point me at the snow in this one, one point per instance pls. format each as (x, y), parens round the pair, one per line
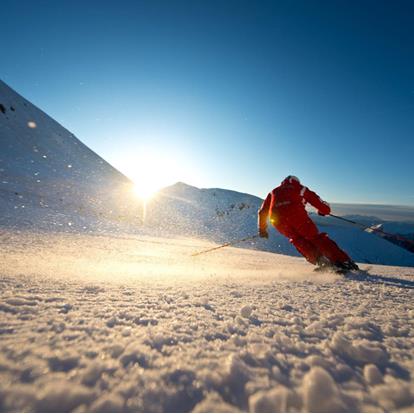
(135, 323)
(359, 351)
(372, 374)
(321, 393)
(213, 402)
(274, 400)
(222, 215)
(101, 310)
(246, 311)
(51, 181)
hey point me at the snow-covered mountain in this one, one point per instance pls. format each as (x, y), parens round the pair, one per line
(213, 213)
(223, 215)
(49, 178)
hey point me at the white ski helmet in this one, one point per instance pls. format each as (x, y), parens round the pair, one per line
(291, 178)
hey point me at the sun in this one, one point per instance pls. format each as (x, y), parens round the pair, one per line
(145, 190)
(151, 170)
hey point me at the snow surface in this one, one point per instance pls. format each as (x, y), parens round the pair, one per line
(100, 311)
(135, 323)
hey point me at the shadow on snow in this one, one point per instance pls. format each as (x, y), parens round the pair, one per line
(382, 280)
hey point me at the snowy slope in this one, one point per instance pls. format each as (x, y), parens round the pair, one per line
(49, 177)
(214, 212)
(223, 215)
(128, 323)
(49, 180)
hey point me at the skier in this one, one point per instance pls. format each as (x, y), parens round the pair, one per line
(285, 206)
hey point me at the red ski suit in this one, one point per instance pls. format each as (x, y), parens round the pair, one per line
(285, 206)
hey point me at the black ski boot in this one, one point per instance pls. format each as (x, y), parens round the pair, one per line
(347, 266)
(323, 264)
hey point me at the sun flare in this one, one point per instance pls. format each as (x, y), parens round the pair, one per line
(151, 171)
(144, 190)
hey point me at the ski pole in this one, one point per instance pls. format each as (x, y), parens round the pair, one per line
(362, 226)
(226, 244)
(349, 221)
(371, 228)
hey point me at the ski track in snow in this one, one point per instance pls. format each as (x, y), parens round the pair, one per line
(128, 323)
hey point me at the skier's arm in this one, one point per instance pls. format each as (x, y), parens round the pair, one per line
(263, 215)
(312, 198)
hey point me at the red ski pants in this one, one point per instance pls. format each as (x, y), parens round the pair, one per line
(311, 244)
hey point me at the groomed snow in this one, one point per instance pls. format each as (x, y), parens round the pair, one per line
(133, 323)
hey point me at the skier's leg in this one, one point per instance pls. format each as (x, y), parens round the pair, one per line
(304, 246)
(308, 231)
(317, 246)
(330, 249)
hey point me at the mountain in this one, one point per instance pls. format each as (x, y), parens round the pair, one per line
(403, 214)
(49, 178)
(213, 213)
(223, 215)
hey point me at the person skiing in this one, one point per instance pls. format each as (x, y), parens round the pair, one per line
(285, 206)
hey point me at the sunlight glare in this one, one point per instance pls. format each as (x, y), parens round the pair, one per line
(151, 171)
(144, 190)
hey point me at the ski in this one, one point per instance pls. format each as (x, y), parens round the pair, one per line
(340, 271)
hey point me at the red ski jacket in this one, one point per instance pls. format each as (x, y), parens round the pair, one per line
(287, 202)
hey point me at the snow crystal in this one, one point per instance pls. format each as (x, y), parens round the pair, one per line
(360, 351)
(110, 323)
(19, 397)
(372, 374)
(115, 350)
(60, 396)
(236, 375)
(315, 329)
(213, 402)
(318, 361)
(126, 331)
(93, 372)
(246, 311)
(321, 393)
(393, 395)
(108, 403)
(135, 354)
(272, 401)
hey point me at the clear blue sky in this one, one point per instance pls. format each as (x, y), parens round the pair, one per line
(231, 94)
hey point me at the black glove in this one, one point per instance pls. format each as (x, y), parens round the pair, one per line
(264, 234)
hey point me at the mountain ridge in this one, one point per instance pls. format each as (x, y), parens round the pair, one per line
(43, 165)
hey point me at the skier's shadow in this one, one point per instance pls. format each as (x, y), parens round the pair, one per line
(382, 280)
